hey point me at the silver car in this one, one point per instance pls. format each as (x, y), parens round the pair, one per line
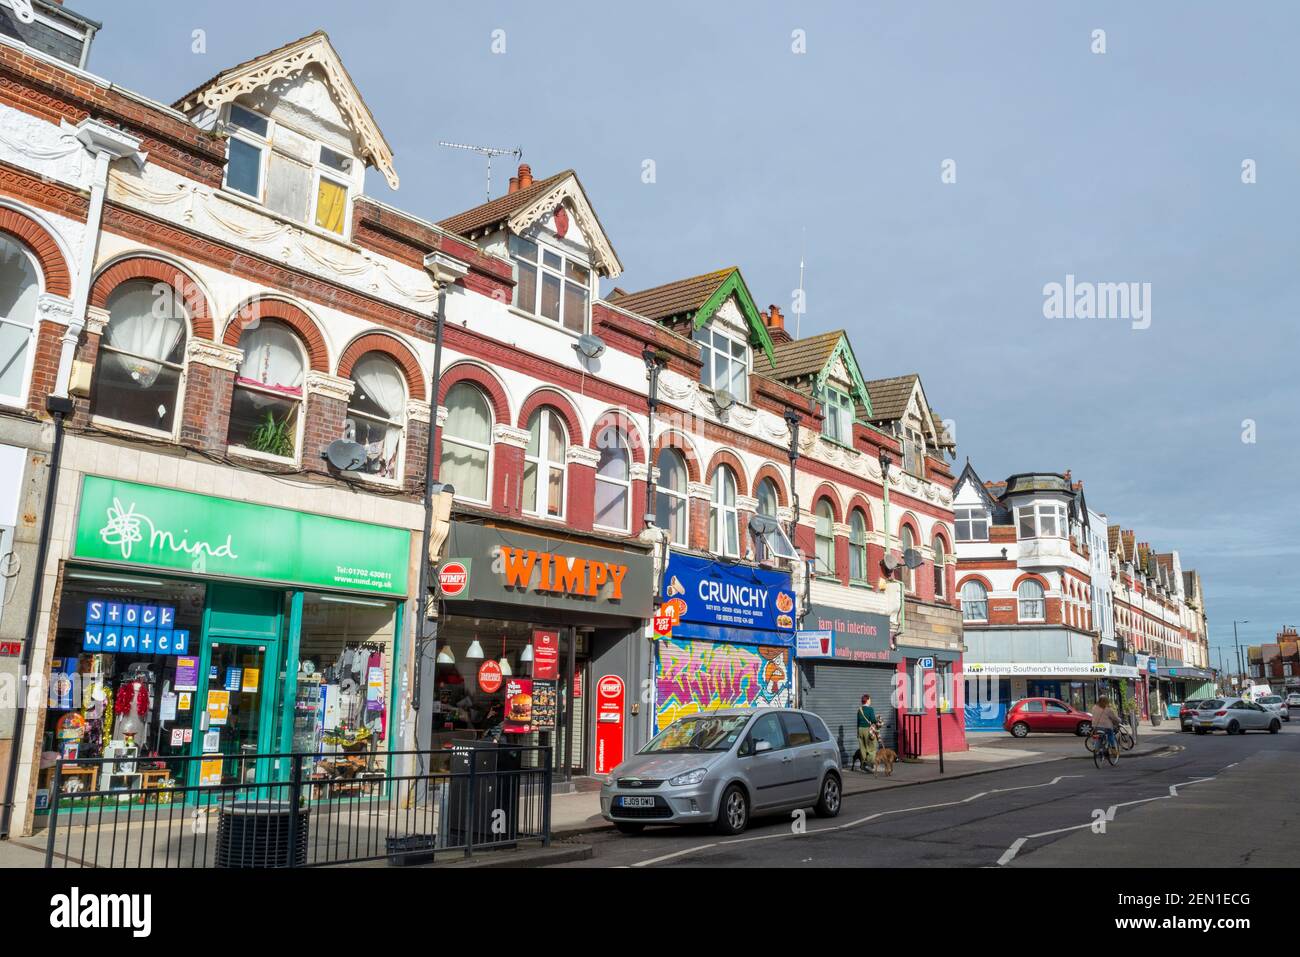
(1235, 716)
(721, 767)
(1277, 704)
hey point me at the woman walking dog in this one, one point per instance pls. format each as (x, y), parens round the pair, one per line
(868, 735)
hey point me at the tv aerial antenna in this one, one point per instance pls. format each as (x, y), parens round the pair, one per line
(489, 152)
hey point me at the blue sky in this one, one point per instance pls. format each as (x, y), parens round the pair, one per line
(1115, 167)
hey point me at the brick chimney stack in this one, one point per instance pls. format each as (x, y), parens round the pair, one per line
(775, 323)
(525, 176)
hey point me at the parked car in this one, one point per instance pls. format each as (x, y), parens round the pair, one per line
(1046, 715)
(722, 767)
(1276, 704)
(1235, 716)
(1187, 714)
(1293, 699)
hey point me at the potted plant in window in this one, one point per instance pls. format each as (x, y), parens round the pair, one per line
(273, 436)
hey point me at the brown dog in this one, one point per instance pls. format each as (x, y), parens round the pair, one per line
(885, 757)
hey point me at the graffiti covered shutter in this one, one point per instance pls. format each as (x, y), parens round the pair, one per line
(693, 676)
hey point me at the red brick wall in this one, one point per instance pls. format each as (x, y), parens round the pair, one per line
(205, 415)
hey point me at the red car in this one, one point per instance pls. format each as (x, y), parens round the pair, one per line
(1046, 715)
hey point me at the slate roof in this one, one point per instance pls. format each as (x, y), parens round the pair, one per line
(503, 207)
(673, 298)
(889, 397)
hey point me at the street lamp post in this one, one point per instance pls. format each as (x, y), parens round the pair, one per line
(1241, 672)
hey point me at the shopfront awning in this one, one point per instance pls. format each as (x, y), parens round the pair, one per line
(1186, 674)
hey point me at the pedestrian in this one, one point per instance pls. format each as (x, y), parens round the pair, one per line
(868, 734)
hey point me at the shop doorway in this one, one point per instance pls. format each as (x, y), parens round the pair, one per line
(235, 713)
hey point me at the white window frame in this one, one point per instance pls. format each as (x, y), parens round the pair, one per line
(709, 350)
(625, 484)
(914, 453)
(400, 424)
(940, 566)
(29, 363)
(301, 414)
(318, 170)
(823, 511)
(968, 603)
(971, 516)
(1022, 601)
(858, 548)
(908, 574)
(561, 273)
(486, 448)
(182, 367)
(724, 517)
(543, 465)
(682, 496)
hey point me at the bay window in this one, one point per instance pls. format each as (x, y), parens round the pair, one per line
(1044, 521)
(376, 413)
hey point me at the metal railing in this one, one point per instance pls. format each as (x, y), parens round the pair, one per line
(909, 735)
(297, 810)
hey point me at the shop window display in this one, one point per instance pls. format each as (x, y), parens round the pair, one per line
(122, 650)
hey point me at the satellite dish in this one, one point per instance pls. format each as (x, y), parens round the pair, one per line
(593, 347)
(724, 399)
(890, 561)
(912, 558)
(346, 456)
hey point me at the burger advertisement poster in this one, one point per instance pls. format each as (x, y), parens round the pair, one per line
(729, 595)
(519, 706)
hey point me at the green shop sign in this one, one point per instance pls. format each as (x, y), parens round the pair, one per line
(166, 528)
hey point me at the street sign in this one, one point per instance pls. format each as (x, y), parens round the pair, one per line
(927, 662)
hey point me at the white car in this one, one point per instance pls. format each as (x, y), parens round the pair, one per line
(1276, 704)
(1293, 699)
(1235, 716)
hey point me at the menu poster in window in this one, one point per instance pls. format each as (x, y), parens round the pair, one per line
(210, 773)
(546, 655)
(519, 706)
(233, 677)
(187, 674)
(544, 704)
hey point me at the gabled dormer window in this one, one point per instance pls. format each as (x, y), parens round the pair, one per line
(551, 284)
(837, 425)
(972, 523)
(726, 362)
(314, 193)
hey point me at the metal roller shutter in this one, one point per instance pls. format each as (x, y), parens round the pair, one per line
(834, 692)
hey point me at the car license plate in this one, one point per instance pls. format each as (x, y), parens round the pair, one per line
(636, 802)
(1207, 724)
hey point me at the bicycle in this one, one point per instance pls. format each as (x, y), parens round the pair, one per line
(1100, 752)
(1123, 735)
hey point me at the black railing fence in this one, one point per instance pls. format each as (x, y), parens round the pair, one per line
(297, 810)
(909, 735)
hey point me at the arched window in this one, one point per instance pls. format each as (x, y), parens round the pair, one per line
(467, 442)
(671, 504)
(20, 285)
(908, 541)
(824, 539)
(974, 602)
(1030, 594)
(724, 520)
(613, 479)
(544, 464)
(138, 373)
(768, 503)
(857, 546)
(377, 412)
(940, 568)
(264, 412)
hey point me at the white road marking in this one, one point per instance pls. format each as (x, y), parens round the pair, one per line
(1009, 854)
(846, 826)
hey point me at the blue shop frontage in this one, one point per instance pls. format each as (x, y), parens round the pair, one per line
(724, 638)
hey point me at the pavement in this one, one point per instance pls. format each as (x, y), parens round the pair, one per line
(1176, 801)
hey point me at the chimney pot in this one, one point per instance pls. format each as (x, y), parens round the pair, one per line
(514, 183)
(525, 176)
(773, 319)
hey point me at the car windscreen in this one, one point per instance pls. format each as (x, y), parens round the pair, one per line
(1271, 699)
(698, 733)
(1211, 705)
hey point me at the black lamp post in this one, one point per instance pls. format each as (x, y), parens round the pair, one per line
(653, 366)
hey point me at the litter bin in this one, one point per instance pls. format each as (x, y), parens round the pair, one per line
(257, 834)
(495, 820)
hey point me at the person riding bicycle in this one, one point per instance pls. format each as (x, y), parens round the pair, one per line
(1105, 720)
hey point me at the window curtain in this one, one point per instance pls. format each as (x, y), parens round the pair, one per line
(331, 205)
(272, 358)
(379, 380)
(19, 287)
(468, 418)
(136, 327)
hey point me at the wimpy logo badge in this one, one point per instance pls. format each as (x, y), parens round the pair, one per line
(77, 910)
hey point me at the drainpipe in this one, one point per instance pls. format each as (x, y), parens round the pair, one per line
(106, 144)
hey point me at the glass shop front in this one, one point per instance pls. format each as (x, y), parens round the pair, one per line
(518, 641)
(149, 663)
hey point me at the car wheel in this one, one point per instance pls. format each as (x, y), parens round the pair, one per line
(1201, 730)
(1275, 727)
(1234, 728)
(1084, 729)
(626, 827)
(828, 804)
(1019, 730)
(733, 811)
